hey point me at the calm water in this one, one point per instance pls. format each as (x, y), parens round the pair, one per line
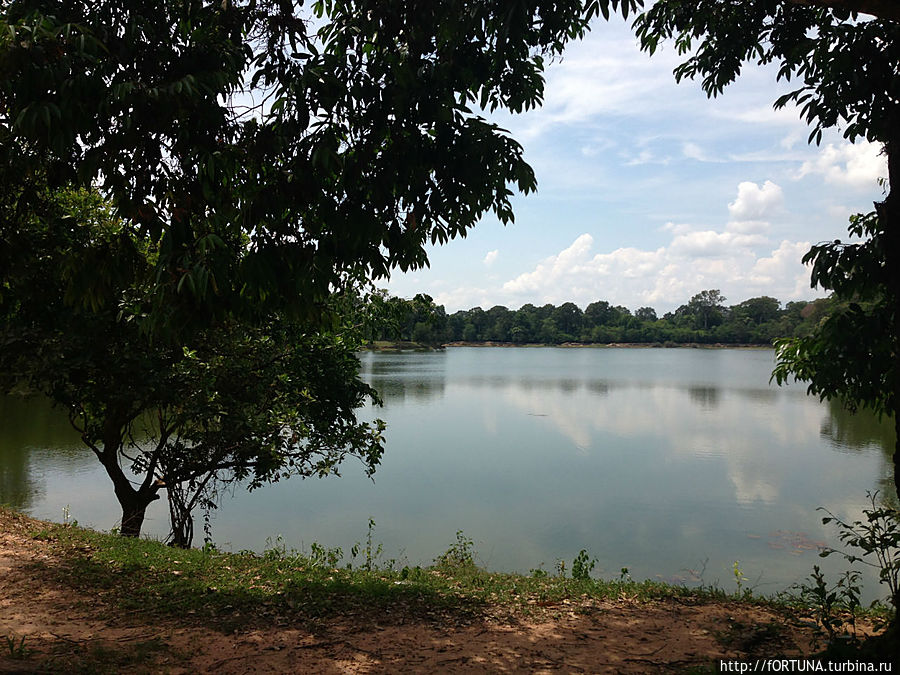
(673, 463)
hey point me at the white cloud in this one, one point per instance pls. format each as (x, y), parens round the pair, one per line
(708, 243)
(667, 275)
(781, 267)
(693, 151)
(756, 202)
(857, 165)
(737, 258)
(491, 257)
(754, 206)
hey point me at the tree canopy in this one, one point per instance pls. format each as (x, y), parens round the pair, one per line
(188, 190)
(704, 319)
(274, 153)
(240, 403)
(847, 74)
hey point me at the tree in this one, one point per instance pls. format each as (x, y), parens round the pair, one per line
(758, 310)
(268, 159)
(703, 311)
(846, 70)
(646, 314)
(238, 403)
(568, 318)
(254, 168)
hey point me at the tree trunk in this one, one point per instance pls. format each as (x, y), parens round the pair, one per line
(180, 518)
(134, 502)
(132, 518)
(889, 214)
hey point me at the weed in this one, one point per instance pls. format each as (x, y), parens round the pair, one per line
(460, 555)
(582, 566)
(624, 575)
(835, 608)
(275, 549)
(560, 568)
(372, 551)
(17, 650)
(739, 578)
(879, 537)
(322, 556)
(539, 572)
(42, 535)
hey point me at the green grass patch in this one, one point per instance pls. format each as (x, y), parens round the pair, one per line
(231, 590)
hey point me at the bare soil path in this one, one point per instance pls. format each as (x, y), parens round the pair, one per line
(67, 629)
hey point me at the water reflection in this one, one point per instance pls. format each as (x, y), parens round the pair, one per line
(417, 377)
(657, 460)
(27, 426)
(862, 430)
(706, 398)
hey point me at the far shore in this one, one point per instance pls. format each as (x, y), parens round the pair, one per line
(406, 346)
(616, 345)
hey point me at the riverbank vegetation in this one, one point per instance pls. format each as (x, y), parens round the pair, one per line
(244, 592)
(704, 319)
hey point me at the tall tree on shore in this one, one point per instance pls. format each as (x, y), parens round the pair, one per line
(847, 70)
(256, 158)
(272, 157)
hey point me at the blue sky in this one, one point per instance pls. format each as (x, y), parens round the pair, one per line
(648, 192)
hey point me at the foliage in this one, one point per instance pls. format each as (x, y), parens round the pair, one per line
(372, 551)
(237, 403)
(582, 566)
(739, 577)
(848, 357)
(876, 543)
(16, 649)
(460, 555)
(270, 152)
(835, 607)
(823, 50)
(754, 321)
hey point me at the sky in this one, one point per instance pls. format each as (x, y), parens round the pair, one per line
(649, 192)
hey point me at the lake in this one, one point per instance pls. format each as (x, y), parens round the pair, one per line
(674, 463)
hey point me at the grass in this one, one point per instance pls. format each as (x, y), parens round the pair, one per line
(231, 590)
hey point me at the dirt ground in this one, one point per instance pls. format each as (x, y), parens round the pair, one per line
(68, 630)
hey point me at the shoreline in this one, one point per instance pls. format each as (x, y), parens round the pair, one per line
(406, 346)
(134, 604)
(613, 345)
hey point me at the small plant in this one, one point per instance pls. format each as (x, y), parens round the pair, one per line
(740, 579)
(275, 549)
(561, 568)
(373, 552)
(461, 554)
(582, 566)
(320, 556)
(624, 575)
(877, 537)
(539, 572)
(835, 608)
(16, 649)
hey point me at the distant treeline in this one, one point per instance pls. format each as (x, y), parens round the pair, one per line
(704, 319)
